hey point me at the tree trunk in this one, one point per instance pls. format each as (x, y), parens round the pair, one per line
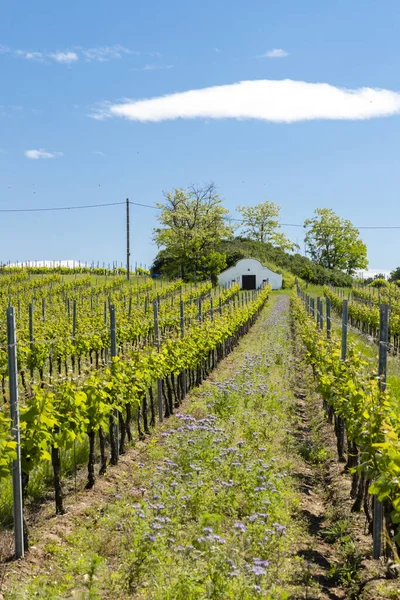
(122, 433)
(128, 422)
(103, 455)
(91, 477)
(113, 439)
(152, 409)
(55, 461)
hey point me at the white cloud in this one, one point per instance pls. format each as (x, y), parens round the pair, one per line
(64, 57)
(33, 56)
(98, 153)
(104, 53)
(154, 68)
(41, 153)
(100, 54)
(274, 53)
(7, 110)
(279, 101)
(101, 112)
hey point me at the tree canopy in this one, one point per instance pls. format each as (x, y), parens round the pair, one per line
(335, 243)
(192, 223)
(395, 275)
(261, 223)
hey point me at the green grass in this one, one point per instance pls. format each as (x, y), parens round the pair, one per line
(40, 482)
(209, 512)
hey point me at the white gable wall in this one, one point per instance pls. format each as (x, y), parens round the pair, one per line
(250, 266)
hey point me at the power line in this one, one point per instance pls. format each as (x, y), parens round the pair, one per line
(281, 224)
(55, 208)
(154, 207)
(145, 205)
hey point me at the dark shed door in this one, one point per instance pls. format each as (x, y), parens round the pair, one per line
(248, 282)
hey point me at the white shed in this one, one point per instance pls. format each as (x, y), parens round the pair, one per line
(251, 274)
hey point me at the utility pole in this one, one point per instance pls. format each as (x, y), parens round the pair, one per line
(128, 251)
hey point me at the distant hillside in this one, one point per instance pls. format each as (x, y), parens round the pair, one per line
(281, 261)
(290, 265)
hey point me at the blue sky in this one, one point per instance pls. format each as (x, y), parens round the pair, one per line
(62, 64)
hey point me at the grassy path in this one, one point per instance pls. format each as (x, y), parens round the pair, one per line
(217, 506)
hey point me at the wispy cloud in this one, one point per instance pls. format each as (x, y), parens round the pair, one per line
(41, 153)
(102, 111)
(281, 101)
(7, 110)
(35, 56)
(274, 53)
(153, 68)
(98, 153)
(105, 53)
(65, 57)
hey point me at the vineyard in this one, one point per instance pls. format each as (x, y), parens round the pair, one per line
(187, 397)
(361, 406)
(94, 359)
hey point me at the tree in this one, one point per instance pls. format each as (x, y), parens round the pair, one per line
(211, 265)
(395, 275)
(261, 224)
(379, 282)
(192, 223)
(334, 243)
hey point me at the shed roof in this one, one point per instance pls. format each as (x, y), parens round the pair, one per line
(252, 259)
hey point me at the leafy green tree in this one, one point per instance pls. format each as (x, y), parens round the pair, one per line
(395, 275)
(192, 223)
(335, 243)
(261, 223)
(379, 282)
(211, 265)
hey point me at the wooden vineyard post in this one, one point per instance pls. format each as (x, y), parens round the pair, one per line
(339, 420)
(318, 309)
(328, 318)
(128, 251)
(14, 413)
(114, 417)
(377, 524)
(157, 341)
(31, 333)
(345, 317)
(74, 320)
(182, 326)
(321, 315)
